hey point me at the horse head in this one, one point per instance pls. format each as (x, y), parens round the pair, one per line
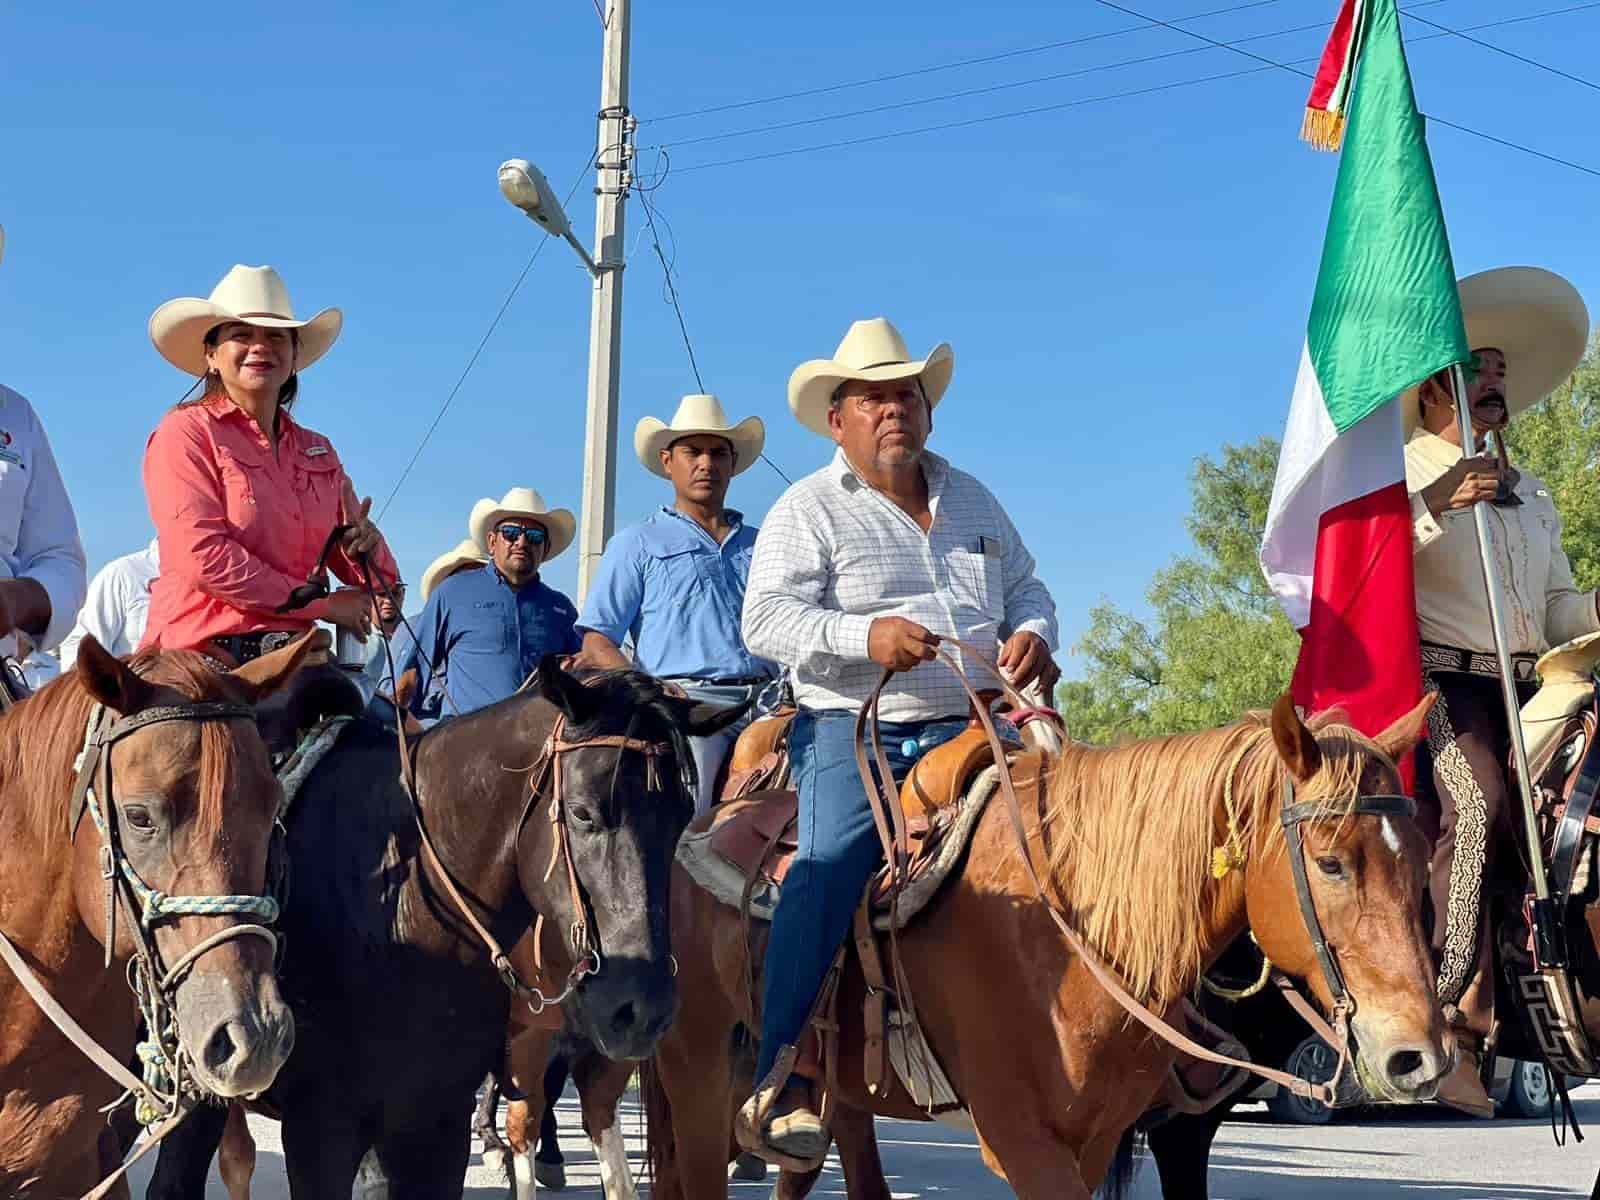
(183, 802)
(625, 796)
(1361, 890)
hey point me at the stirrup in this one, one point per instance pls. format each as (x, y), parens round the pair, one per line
(750, 1126)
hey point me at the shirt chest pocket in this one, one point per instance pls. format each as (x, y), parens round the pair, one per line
(975, 578)
(681, 571)
(317, 485)
(493, 630)
(243, 482)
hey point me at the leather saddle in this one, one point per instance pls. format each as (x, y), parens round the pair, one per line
(758, 834)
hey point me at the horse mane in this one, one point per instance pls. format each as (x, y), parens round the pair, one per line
(41, 737)
(1135, 827)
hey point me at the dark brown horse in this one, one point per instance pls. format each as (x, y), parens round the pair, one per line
(1128, 835)
(400, 1011)
(193, 800)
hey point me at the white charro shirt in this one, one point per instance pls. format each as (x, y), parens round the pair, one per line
(834, 554)
(1543, 606)
(118, 605)
(38, 531)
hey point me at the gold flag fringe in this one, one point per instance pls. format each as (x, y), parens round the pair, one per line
(1324, 130)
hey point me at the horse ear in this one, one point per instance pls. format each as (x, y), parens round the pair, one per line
(566, 693)
(265, 675)
(1297, 745)
(1408, 730)
(704, 718)
(109, 680)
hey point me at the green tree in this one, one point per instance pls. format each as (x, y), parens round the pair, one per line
(1559, 441)
(1216, 643)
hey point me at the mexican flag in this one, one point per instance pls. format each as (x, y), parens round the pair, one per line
(1385, 315)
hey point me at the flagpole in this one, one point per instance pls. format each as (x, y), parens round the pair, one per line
(1497, 622)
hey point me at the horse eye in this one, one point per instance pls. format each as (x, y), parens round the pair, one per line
(1330, 866)
(138, 817)
(583, 815)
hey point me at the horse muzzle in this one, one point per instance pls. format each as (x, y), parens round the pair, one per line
(1400, 1067)
(628, 1006)
(236, 1030)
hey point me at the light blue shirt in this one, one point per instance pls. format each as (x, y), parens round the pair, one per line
(667, 584)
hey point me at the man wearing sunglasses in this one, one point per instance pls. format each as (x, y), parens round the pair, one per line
(485, 631)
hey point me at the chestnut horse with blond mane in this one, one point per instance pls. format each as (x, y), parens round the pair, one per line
(1048, 1066)
(186, 816)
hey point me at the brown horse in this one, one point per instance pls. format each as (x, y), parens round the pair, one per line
(192, 802)
(1128, 836)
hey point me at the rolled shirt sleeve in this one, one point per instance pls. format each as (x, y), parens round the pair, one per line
(784, 618)
(1029, 605)
(48, 549)
(616, 596)
(1568, 613)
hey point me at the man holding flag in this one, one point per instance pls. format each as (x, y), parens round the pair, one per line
(1385, 317)
(1528, 329)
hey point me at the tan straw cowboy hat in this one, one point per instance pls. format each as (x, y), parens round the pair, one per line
(873, 350)
(1532, 316)
(253, 295)
(698, 414)
(464, 553)
(526, 503)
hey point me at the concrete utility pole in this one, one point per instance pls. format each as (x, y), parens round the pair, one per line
(614, 175)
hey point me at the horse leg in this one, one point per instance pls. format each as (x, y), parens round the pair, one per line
(236, 1157)
(1182, 1150)
(855, 1137)
(549, 1166)
(427, 1157)
(519, 1144)
(485, 1124)
(601, 1083)
(322, 1149)
(184, 1158)
(529, 1068)
(696, 1078)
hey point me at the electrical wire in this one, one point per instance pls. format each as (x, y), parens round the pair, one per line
(1465, 36)
(482, 342)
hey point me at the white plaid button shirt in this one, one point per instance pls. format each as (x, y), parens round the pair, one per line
(834, 554)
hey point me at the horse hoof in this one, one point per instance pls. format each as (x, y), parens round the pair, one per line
(749, 1168)
(550, 1175)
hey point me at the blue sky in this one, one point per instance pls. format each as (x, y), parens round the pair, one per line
(1125, 280)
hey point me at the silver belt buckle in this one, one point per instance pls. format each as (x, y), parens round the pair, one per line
(271, 642)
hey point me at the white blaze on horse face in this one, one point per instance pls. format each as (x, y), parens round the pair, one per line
(1391, 839)
(615, 1178)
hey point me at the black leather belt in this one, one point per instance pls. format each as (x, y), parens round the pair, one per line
(1474, 662)
(244, 647)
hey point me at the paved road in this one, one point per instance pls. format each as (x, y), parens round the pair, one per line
(1412, 1154)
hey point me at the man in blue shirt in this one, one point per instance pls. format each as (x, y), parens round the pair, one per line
(486, 630)
(674, 583)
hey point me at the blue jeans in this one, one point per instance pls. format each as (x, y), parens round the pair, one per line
(839, 851)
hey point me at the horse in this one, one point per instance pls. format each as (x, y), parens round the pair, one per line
(1129, 838)
(154, 868)
(394, 969)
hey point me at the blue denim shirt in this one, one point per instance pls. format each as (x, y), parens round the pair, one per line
(487, 637)
(667, 584)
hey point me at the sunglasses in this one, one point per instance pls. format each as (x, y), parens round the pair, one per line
(535, 534)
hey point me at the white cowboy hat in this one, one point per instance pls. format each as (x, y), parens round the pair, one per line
(698, 414)
(874, 351)
(522, 502)
(464, 553)
(253, 295)
(1532, 316)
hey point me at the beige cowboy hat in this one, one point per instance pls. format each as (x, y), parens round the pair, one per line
(522, 502)
(872, 350)
(464, 553)
(253, 295)
(700, 413)
(1532, 316)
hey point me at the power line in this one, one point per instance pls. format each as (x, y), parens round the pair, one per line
(482, 342)
(1466, 37)
(951, 66)
(1267, 65)
(672, 291)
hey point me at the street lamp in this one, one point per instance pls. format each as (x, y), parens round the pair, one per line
(525, 186)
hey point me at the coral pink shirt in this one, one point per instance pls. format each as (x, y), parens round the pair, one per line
(240, 527)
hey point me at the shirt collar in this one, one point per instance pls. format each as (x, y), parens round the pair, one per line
(935, 469)
(733, 516)
(529, 586)
(222, 406)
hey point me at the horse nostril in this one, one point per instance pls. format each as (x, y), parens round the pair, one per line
(1404, 1063)
(220, 1049)
(624, 1018)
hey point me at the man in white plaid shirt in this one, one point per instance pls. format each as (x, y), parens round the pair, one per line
(870, 563)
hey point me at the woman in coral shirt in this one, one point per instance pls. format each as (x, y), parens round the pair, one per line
(242, 495)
